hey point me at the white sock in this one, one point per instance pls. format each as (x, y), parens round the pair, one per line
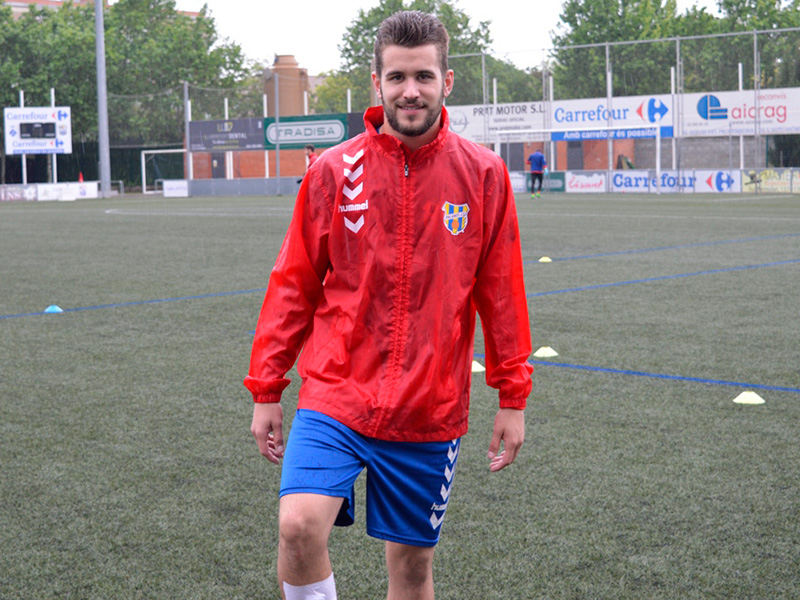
(322, 590)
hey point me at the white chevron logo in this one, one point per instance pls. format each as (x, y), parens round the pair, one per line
(353, 175)
(445, 492)
(354, 227)
(448, 472)
(452, 453)
(352, 193)
(351, 160)
(436, 521)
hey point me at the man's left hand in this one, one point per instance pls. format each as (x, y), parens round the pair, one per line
(509, 428)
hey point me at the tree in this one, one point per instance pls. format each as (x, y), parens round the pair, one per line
(708, 62)
(10, 78)
(580, 70)
(469, 41)
(151, 49)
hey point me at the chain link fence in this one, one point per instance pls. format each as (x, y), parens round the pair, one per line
(757, 60)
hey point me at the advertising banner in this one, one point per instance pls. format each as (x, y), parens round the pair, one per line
(227, 134)
(521, 182)
(176, 188)
(734, 113)
(12, 193)
(491, 123)
(632, 181)
(639, 115)
(518, 183)
(554, 182)
(704, 115)
(768, 180)
(718, 181)
(649, 181)
(38, 130)
(295, 132)
(66, 192)
(578, 182)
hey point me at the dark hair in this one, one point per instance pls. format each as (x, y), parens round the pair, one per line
(310, 147)
(411, 29)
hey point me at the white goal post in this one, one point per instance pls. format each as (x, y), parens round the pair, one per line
(143, 156)
(602, 133)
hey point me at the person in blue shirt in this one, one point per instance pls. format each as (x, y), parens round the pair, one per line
(538, 170)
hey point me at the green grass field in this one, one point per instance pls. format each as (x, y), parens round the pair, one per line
(128, 469)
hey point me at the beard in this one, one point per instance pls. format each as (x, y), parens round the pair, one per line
(432, 115)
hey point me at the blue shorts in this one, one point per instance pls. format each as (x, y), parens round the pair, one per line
(408, 484)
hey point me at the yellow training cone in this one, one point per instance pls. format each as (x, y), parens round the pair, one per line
(545, 259)
(477, 367)
(545, 352)
(748, 398)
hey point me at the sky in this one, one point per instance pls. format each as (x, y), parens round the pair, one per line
(312, 30)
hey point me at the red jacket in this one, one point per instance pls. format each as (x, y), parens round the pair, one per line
(387, 257)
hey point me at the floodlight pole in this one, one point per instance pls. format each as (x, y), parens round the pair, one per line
(102, 101)
(277, 135)
(187, 119)
(266, 152)
(54, 156)
(24, 156)
(610, 121)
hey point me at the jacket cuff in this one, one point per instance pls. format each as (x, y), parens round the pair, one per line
(268, 398)
(518, 403)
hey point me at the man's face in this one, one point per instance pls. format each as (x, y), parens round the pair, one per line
(412, 89)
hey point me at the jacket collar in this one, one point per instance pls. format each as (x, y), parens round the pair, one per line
(373, 119)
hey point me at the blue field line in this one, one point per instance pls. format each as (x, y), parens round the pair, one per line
(139, 303)
(705, 380)
(532, 295)
(664, 278)
(663, 248)
(739, 384)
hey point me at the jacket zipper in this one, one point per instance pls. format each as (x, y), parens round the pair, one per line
(394, 369)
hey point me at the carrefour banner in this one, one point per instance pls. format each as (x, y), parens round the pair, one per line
(668, 181)
(734, 113)
(38, 130)
(638, 115)
(718, 181)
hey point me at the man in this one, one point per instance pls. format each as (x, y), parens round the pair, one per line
(397, 236)
(538, 170)
(311, 155)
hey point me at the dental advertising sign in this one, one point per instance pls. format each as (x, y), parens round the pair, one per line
(734, 113)
(637, 116)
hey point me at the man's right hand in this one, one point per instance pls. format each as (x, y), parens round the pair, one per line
(267, 428)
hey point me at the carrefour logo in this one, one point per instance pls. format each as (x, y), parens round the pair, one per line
(721, 181)
(709, 107)
(652, 110)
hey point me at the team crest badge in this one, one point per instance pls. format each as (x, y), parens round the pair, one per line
(455, 217)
